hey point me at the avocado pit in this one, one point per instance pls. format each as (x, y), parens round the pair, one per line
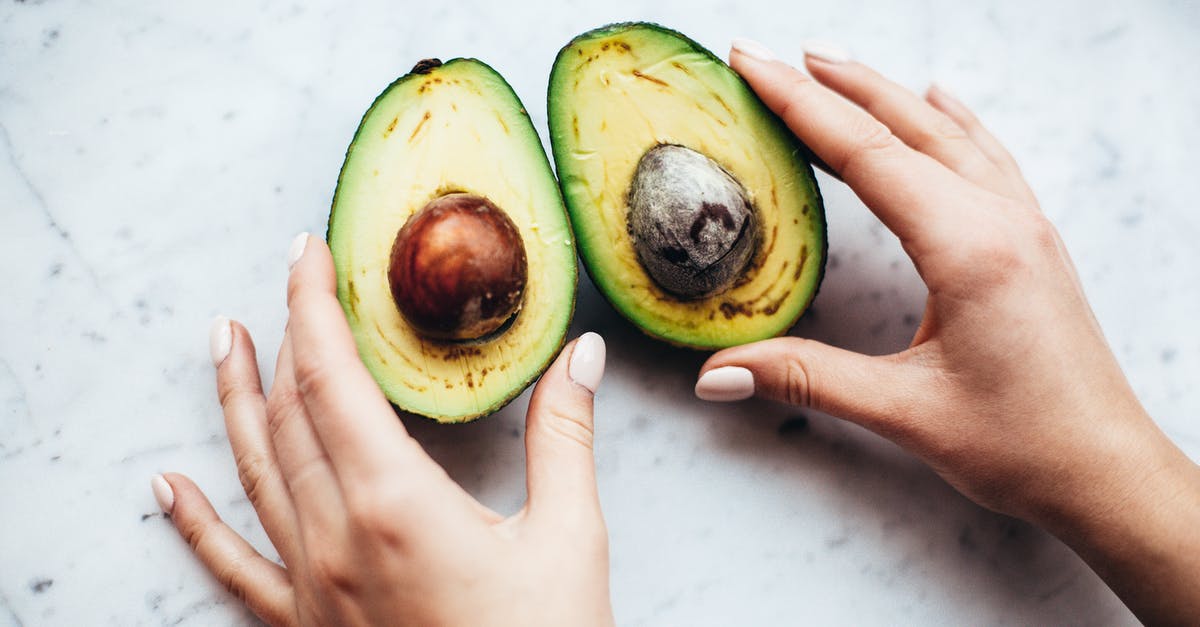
(693, 227)
(458, 269)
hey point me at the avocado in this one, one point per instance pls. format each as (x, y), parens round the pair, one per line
(695, 210)
(455, 261)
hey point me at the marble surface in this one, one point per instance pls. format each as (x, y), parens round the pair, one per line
(157, 158)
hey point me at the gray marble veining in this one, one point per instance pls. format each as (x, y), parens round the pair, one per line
(156, 159)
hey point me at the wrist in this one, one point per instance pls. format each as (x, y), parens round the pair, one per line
(1132, 517)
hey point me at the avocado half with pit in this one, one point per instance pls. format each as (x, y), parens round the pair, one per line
(695, 210)
(455, 261)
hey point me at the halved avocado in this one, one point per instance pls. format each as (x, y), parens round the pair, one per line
(696, 212)
(449, 145)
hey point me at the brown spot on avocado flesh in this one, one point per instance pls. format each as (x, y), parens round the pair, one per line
(421, 124)
(647, 77)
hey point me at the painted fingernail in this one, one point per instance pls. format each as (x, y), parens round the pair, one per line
(163, 493)
(587, 361)
(728, 383)
(825, 51)
(753, 49)
(296, 250)
(220, 340)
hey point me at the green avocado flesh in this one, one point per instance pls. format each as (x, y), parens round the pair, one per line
(620, 91)
(446, 128)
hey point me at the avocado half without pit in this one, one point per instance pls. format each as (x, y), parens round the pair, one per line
(455, 261)
(695, 211)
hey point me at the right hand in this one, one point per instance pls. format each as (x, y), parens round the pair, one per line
(1008, 390)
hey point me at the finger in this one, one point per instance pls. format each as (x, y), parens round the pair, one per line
(560, 470)
(915, 196)
(872, 391)
(965, 118)
(983, 138)
(354, 421)
(245, 408)
(913, 120)
(258, 582)
(303, 463)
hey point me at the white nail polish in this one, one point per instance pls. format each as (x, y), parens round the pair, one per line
(296, 250)
(163, 493)
(587, 361)
(220, 340)
(728, 383)
(825, 51)
(753, 49)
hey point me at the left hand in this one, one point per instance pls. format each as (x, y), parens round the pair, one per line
(369, 528)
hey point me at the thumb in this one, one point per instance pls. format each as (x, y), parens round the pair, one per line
(857, 387)
(561, 472)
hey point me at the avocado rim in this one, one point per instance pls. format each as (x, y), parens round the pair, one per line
(800, 151)
(422, 68)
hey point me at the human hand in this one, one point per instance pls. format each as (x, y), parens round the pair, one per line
(369, 528)
(1008, 390)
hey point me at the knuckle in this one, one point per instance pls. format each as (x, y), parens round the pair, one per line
(238, 390)
(330, 572)
(798, 90)
(283, 616)
(311, 376)
(1040, 231)
(364, 508)
(254, 469)
(233, 577)
(230, 393)
(281, 408)
(567, 425)
(1010, 252)
(966, 118)
(377, 514)
(943, 129)
(873, 140)
(198, 533)
(798, 383)
(942, 134)
(995, 261)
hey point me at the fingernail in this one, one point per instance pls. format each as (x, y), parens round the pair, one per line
(587, 361)
(220, 340)
(753, 49)
(296, 250)
(728, 383)
(163, 493)
(825, 51)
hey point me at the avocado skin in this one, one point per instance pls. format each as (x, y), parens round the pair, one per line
(810, 157)
(420, 69)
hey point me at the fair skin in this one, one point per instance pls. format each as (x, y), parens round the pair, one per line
(1009, 391)
(370, 530)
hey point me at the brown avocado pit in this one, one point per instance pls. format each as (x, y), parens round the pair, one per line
(693, 227)
(457, 269)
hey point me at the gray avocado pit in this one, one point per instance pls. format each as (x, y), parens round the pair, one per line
(693, 227)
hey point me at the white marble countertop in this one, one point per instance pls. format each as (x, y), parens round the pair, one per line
(157, 158)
